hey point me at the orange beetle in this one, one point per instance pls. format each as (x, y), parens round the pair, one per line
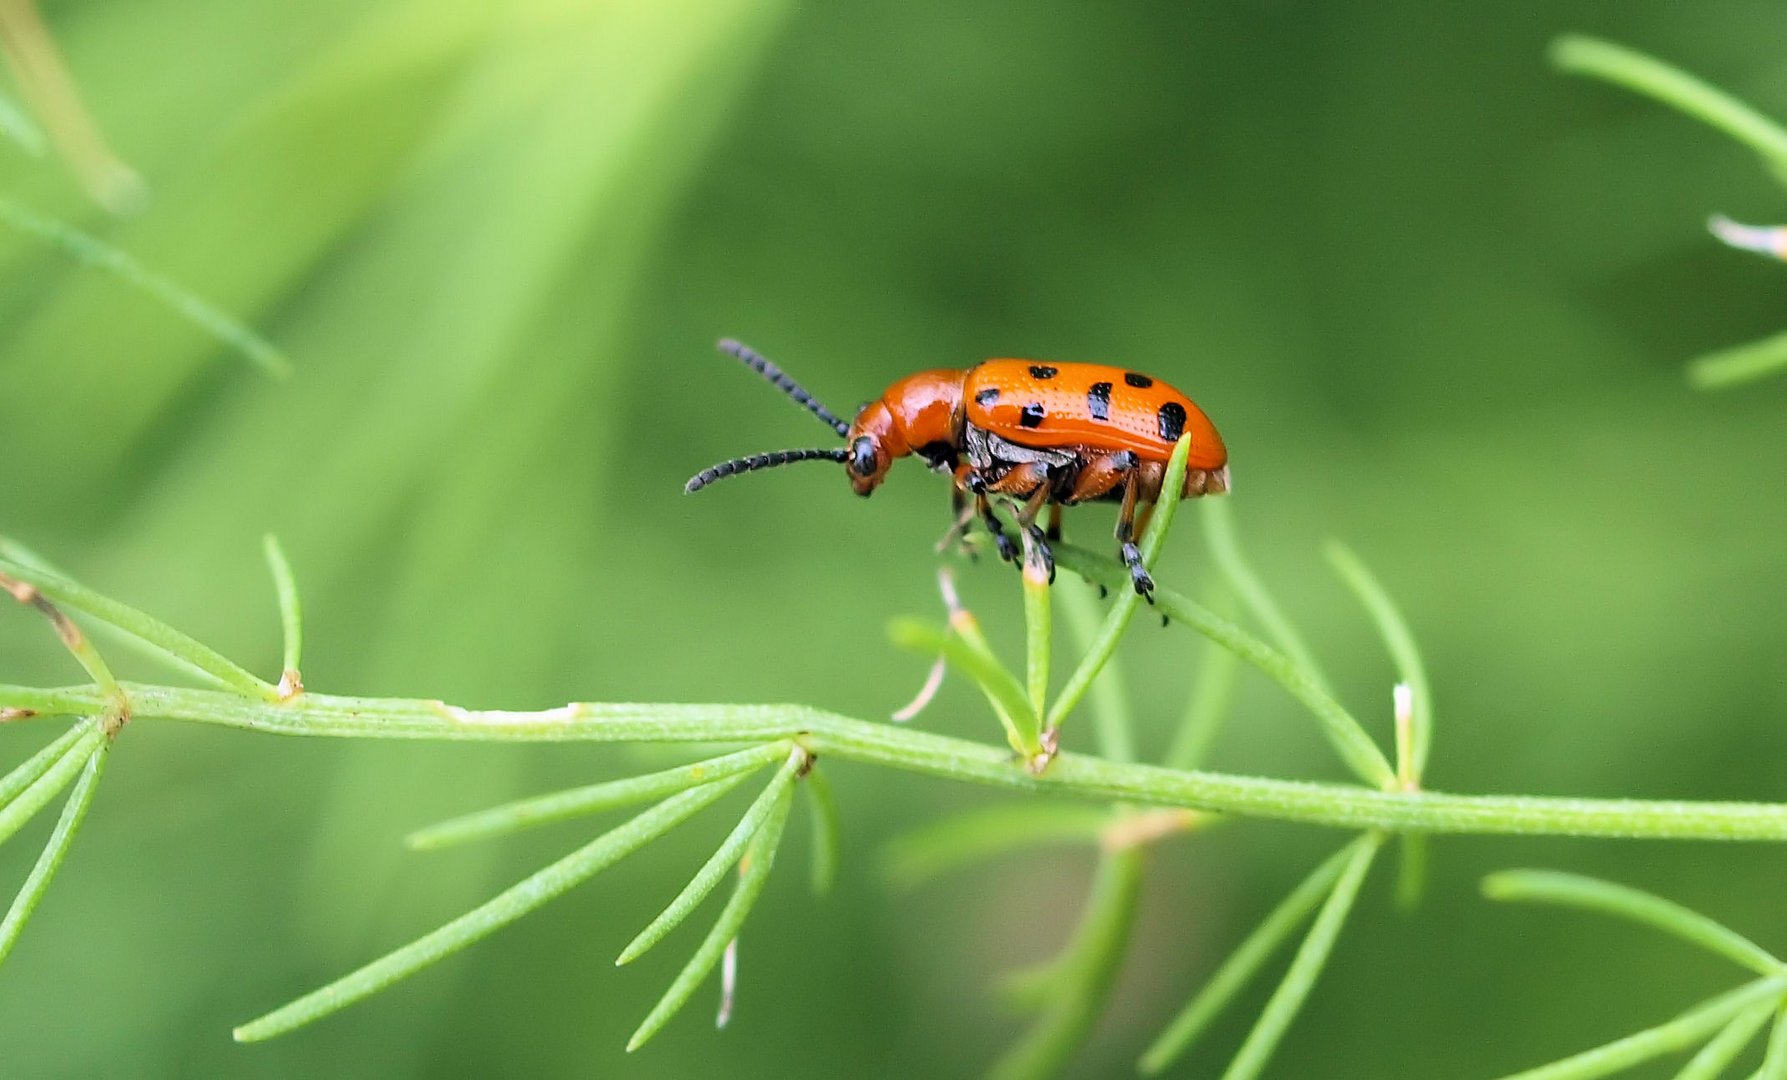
(1043, 434)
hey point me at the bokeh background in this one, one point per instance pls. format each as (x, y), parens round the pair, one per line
(1436, 296)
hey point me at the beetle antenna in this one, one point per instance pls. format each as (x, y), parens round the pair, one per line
(778, 378)
(770, 460)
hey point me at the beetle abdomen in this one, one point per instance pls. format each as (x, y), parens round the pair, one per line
(1093, 405)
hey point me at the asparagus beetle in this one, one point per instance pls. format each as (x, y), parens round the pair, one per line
(1042, 434)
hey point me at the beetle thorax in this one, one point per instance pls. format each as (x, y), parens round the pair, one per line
(919, 411)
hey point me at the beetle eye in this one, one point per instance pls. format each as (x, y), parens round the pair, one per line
(862, 456)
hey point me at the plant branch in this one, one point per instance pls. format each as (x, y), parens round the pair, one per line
(1074, 775)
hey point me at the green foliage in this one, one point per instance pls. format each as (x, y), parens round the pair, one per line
(1659, 81)
(1731, 1020)
(496, 239)
(1067, 993)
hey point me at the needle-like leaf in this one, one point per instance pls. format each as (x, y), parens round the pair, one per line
(1393, 628)
(151, 631)
(59, 775)
(291, 612)
(1212, 688)
(1739, 364)
(594, 798)
(1774, 1063)
(1244, 963)
(1625, 902)
(1001, 687)
(761, 857)
(1084, 974)
(936, 848)
(27, 772)
(1218, 519)
(724, 858)
(1340, 726)
(1671, 1037)
(1672, 86)
(503, 909)
(86, 248)
(38, 881)
(1104, 642)
(1038, 625)
(1311, 957)
(827, 842)
(1113, 719)
(1711, 1061)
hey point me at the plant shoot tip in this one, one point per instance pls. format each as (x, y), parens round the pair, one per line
(1762, 239)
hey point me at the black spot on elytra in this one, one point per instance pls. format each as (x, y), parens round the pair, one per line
(987, 396)
(1032, 415)
(1098, 400)
(1172, 421)
(1041, 371)
(1137, 380)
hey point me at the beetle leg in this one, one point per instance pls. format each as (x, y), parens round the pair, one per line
(1032, 480)
(1027, 518)
(1054, 532)
(1142, 517)
(1100, 475)
(964, 512)
(1132, 555)
(975, 483)
(1021, 480)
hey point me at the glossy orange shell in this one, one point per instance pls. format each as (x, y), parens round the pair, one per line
(1049, 404)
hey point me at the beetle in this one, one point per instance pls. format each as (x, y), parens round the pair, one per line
(1041, 434)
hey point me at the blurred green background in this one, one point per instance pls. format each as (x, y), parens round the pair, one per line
(1436, 297)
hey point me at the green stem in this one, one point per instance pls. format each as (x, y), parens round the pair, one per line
(1072, 775)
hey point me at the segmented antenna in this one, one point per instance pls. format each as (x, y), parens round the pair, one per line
(760, 461)
(780, 380)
